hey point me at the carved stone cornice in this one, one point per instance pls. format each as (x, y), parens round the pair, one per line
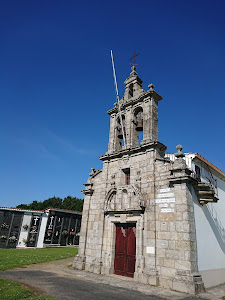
(95, 173)
(180, 179)
(88, 189)
(87, 192)
(129, 151)
(133, 101)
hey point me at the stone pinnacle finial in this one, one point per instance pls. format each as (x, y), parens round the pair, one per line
(133, 73)
(92, 171)
(179, 153)
(151, 86)
(179, 148)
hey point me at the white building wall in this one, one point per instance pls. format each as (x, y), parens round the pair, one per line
(210, 234)
(24, 233)
(42, 228)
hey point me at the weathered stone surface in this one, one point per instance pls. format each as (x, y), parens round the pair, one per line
(138, 185)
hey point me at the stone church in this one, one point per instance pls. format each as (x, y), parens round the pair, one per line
(138, 218)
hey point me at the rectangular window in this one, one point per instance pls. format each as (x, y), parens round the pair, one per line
(127, 176)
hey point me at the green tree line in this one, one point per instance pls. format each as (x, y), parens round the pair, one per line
(70, 203)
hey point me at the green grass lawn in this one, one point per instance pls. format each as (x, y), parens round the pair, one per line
(10, 290)
(13, 258)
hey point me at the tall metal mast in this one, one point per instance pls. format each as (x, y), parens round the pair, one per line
(118, 99)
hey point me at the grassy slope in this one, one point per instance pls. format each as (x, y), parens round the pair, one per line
(12, 290)
(12, 258)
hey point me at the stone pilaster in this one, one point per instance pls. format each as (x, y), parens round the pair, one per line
(80, 259)
(150, 110)
(146, 121)
(186, 277)
(112, 133)
(129, 126)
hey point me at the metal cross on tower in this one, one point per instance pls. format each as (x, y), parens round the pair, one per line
(133, 58)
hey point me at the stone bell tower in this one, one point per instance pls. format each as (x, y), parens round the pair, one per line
(139, 111)
(138, 218)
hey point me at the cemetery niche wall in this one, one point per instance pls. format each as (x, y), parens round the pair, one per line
(21, 228)
(63, 228)
(10, 223)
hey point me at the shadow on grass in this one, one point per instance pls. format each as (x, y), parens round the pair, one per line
(12, 290)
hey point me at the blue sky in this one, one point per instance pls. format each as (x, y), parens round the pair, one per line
(56, 85)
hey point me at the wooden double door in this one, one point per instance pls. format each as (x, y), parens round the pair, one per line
(125, 249)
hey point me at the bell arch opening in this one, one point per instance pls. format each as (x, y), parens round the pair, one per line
(120, 139)
(131, 91)
(138, 122)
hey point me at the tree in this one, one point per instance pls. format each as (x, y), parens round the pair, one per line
(70, 203)
(52, 202)
(73, 203)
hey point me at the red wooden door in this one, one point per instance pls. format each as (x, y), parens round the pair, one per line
(125, 250)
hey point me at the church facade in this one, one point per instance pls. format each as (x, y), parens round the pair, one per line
(138, 217)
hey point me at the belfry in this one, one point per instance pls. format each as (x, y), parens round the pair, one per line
(138, 216)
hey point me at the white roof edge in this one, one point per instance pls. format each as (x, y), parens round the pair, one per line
(23, 210)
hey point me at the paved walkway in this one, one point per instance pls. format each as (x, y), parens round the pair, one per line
(57, 280)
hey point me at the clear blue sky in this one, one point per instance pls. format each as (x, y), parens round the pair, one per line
(56, 85)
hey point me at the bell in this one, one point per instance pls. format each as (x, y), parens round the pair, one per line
(139, 125)
(120, 134)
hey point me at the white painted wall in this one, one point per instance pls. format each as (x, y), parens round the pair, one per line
(210, 234)
(42, 228)
(24, 233)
